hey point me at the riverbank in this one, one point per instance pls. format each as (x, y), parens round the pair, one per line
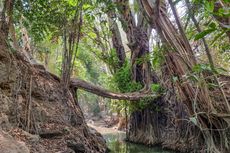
(115, 140)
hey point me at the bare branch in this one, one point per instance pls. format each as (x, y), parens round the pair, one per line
(81, 84)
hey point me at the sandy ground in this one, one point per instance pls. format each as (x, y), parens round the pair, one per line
(100, 126)
(103, 130)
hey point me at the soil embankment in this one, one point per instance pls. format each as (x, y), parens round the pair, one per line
(31, 100)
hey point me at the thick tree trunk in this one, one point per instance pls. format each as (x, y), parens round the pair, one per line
(196, 99)
(139, 44)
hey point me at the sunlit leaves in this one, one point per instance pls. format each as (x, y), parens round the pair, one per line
(155, 87)
(124, 81)
(44, 16)
(199, 68)
(203, 33)
(211, 28)
(209, 5)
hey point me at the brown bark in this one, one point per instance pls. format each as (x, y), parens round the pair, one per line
(81, 84)
(71, 40)
(181, 30)
(14, 37)
(116, 39)
(158, 14)
(45, 93)
(208, 53)
(181, 60)
(139, 45)
(6, 16)
(224, 22)
(179, 63)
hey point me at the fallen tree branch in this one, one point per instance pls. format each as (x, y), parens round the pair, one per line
(89, 87)
(81, 84)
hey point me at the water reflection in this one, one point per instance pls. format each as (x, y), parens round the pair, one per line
(116, 144)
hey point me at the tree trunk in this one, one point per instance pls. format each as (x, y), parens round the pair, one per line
(139, 45)
(116, 39)
(224, 22)
(208, 53)
(179, 62)
(6, 16)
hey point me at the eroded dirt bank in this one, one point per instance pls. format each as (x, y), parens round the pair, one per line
(31, 100)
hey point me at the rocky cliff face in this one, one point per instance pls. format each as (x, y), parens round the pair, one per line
(31, 100)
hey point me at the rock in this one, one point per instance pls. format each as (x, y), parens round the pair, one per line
(4, 121)
(31, 137)
(122, 123)
(97, 134)
(4, 111)
(77, 147)
(51, 134)
(9, 145)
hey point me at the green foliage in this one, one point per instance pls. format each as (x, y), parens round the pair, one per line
(44, 17)
(96, 61)
(196, 71)
(204, 33)
(112, 59)
(89, 61)
(209, 5)
(208, 8)
(219, 35)
(199, 68)
(143, 104)
(155, 87)
(138, 106)
(123, 79)
(212, 27)
(157, 56)
(142, 59)
(196, 77)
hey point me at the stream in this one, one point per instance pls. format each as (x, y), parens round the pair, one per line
(116, 144)
(116, 141)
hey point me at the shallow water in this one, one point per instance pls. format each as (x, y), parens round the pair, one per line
(116, 143)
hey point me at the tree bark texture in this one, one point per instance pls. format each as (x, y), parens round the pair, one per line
(139, 45)
(81, 84)
(116, 39)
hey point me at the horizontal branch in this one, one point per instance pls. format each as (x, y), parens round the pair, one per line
(81, 84)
